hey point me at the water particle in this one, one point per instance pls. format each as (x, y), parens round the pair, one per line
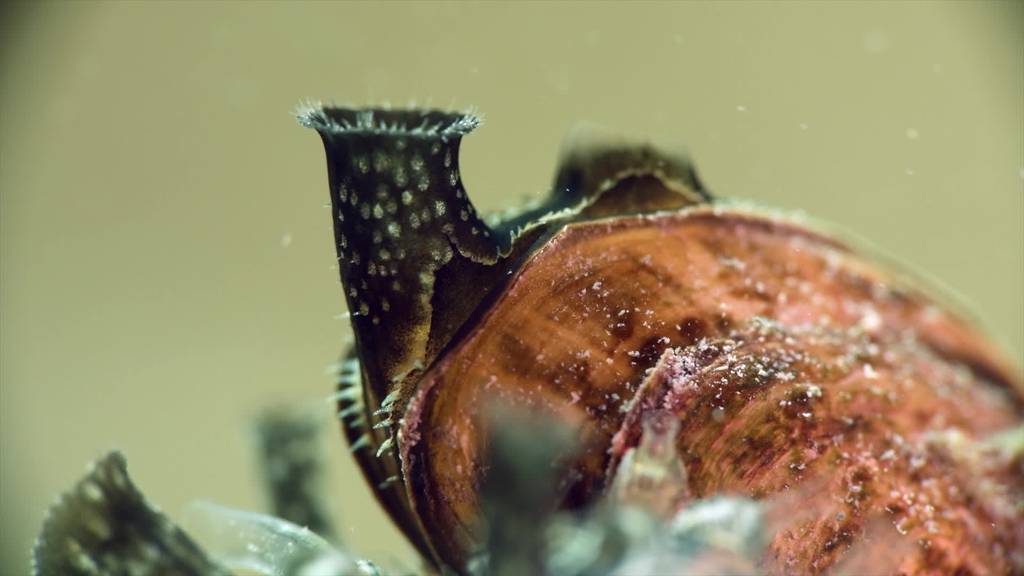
(912, 134)
(871, 320)
(734, 263)
(718, 414)
(875, 42)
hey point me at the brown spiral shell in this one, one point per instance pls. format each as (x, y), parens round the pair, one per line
(795, 366)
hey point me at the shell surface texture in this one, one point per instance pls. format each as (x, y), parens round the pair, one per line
(777, 362)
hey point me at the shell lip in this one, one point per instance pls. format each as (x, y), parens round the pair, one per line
(409, 122)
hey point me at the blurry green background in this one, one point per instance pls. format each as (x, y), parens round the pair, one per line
(166, 255)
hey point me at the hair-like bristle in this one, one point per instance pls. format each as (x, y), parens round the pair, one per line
(386, 121)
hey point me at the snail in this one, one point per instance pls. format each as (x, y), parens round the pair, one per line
(626, 377)
(785, 361)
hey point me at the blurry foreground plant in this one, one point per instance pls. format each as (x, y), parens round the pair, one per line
(104, 524)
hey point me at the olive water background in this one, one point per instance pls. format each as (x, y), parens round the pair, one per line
(166, 252)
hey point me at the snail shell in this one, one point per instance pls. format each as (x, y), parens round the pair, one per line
(791, 362)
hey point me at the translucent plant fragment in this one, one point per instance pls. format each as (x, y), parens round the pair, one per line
(247, 542)
(651, 475)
